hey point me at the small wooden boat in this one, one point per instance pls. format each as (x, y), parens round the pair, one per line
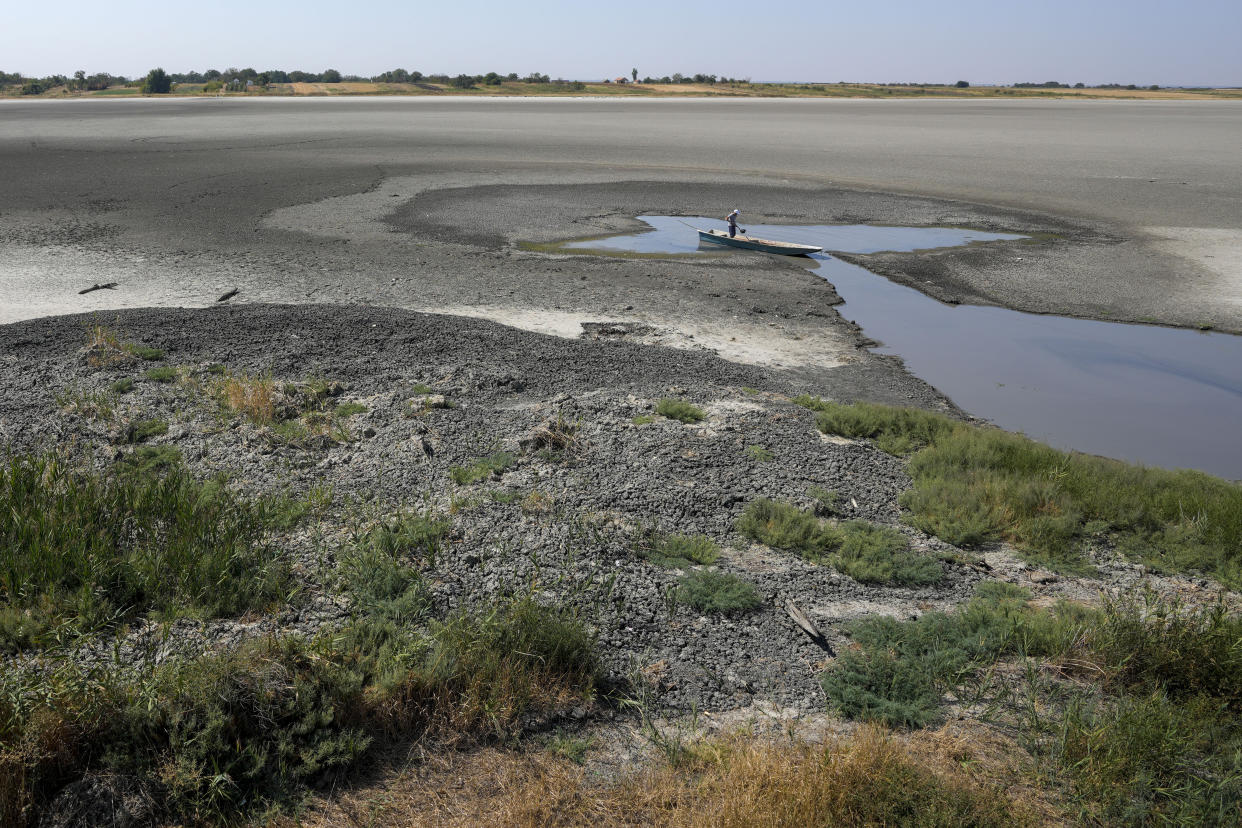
(766, 245)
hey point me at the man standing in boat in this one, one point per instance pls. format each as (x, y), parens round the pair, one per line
(732, 217)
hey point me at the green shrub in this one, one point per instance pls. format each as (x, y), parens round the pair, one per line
(483, 468)
(974, 485)
(146, 429)
(230, 737)
(678, 551)
(901, 670)
(895, 430)
(878, 554)
(784, 526)
(418, 535)
(643, 419)
(163, 373)
(1147, 760)
(80, 551)
(123, 386)
(382, 587)
(144, 352)
(759, 454)
(680, 410)
(145, 462)
(865, 552)
(709, 591)
(348, 409)
(1151, 643)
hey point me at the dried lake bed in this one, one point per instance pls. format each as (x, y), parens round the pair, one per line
(439, 362)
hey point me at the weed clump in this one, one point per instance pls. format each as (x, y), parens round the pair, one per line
(145, 353)
(162, 373)
(143, 430)
(900, 671)
(149, 462)
(681, 410)
(760, 454)
(122, 386)
(864, 551)
(722, 592)
(976, 485)
(493, 465)
(81, 551)
(419, 535)
(348, 409)
(678, 551)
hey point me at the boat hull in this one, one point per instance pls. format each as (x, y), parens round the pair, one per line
(762, 245)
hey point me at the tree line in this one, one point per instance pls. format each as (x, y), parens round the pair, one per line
(235, 79)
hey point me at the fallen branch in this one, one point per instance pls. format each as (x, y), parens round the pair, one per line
(808, 626)
(226, 297)
(97, 286)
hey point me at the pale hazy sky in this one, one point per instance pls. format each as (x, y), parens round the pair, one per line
(1194, 42)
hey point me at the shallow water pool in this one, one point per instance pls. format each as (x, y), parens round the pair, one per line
(1148, 394)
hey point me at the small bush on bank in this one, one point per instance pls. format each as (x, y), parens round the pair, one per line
(897, 431)
(678, 551)
(900, 671)
(123, 386)
(79, 550)
(709, 591)
(229, 737)
(681, 410)
(1147, 760)
(874, 554)
(784, 526)
(973, 485)
(864, 551)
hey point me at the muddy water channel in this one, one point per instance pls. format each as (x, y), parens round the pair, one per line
(1160, 396)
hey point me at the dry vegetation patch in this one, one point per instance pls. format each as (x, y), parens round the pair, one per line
(869, 778)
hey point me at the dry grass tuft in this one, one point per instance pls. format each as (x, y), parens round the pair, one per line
(868, 779)
(104, 348)
(255, 397)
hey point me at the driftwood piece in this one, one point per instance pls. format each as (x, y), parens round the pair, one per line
(808, 626)
(226, 297)
(97, 286)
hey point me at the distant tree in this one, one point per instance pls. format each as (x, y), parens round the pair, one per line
(211, 74)
(1080, 85)
(157, 83)
(463, 81)
(492, 79)
(263, 79)
(1154, 87)
(33, 87)
(79, 79)
(330, 76)
(511, 76)
(634, 75)
(962, 85)
(416, 76)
